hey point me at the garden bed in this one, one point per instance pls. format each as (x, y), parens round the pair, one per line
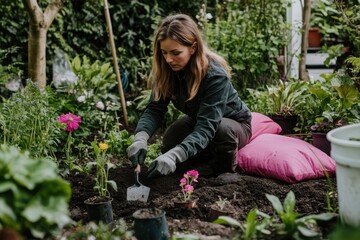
(245, 192)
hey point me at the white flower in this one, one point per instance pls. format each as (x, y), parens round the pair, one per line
(209, 16)
(13, 85)
(100, 105)
(81, 99)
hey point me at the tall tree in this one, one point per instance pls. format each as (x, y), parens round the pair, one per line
(39, 23)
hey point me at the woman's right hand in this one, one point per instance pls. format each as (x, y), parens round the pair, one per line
(138, 149)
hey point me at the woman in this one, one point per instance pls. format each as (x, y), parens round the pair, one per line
(197, 82)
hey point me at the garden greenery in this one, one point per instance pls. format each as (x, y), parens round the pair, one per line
(285, 221)
(103, 165)
(250, 35)
(34, 198)
(101, 231)
(29, 122)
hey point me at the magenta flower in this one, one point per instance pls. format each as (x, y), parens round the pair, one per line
(72, 121)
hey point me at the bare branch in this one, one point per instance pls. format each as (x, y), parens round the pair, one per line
(52, 9)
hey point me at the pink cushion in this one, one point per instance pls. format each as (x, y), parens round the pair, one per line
(284, 158)
(261, 124)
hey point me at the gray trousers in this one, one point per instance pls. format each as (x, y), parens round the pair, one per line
(222, 149)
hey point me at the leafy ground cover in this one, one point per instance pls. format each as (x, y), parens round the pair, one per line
(245, 193)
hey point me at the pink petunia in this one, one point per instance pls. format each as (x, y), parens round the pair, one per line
(72, 121)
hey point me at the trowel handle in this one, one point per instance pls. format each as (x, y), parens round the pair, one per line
(137, 171)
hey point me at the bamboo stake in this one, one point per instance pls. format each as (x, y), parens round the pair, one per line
(116, 68)
(304, 39)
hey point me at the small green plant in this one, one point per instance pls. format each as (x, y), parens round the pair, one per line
(103, 165)
(95, 78)
(222, 202)
(285, 222)
(253, 228)
(34, 198)
(280, 98)
(119, 141)
(291, 224)
(116, 231)
(153, 151)
(287, 96)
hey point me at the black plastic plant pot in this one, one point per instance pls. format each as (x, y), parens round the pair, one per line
(99, 209)
(150, 224)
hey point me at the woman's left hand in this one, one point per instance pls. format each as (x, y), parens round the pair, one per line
(162, 165)
(166, 163)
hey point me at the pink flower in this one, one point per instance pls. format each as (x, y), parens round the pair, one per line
(189, 188)
(100, 105)
(193, 173)
(72, 121)
(182, 181)
(186, 184)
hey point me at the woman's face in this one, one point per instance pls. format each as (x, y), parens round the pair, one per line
(176, 54)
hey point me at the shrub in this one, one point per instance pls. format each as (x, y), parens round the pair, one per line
(34, 199)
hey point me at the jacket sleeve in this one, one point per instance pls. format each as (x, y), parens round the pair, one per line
(153, 116)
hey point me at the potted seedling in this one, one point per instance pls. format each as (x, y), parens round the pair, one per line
(221, 207)
(99, 206)
(285, 98)
(186, 198)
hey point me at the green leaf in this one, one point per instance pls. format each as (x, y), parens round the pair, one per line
(112, 184)
(307, 232)
(322, 217)
(6, 212)
(275, 203)
(76, 63)
(250, 224)
(6, 186)
(96, 148)
(227, 221)
(289, 202)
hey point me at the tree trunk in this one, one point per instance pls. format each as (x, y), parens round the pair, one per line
(303, 75)
(39, 23)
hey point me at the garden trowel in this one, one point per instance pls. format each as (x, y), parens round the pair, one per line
(137, 192)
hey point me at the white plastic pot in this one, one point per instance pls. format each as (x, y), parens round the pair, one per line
(346, 154)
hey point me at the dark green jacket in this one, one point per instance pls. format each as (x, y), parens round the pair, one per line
(216, 99)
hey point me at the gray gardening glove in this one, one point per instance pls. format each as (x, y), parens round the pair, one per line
(137, 150)
(166, 163)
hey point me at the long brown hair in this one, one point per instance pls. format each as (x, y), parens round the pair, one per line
(183, 29)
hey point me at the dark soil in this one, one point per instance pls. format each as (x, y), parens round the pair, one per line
(245, 193)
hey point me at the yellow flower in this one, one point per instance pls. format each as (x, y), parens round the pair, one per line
(103, 146)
